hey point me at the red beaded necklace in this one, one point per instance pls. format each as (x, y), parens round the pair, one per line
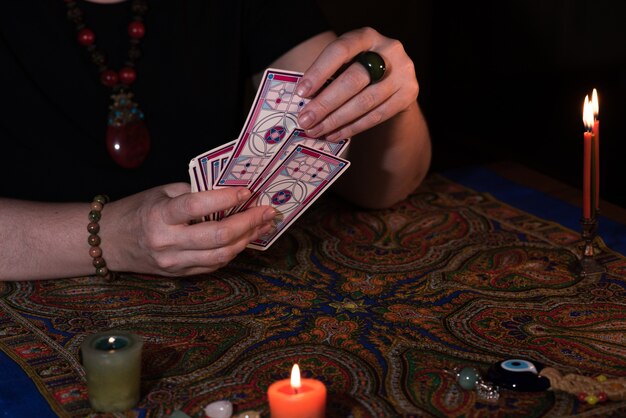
(127, 137)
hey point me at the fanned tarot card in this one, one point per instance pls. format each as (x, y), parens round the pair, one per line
(204, 169)
(211, 163)
(194, 176)
(299, 138)
(295, 184)
(277, 161)
(272, 119)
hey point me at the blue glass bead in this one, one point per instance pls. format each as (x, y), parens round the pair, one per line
(467, 378)
(518, 374)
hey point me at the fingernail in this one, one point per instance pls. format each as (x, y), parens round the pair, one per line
(269, 214)
(306, 119)
(303, 88)
(243, 194)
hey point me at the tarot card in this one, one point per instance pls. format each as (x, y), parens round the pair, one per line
(297, 138)
(210, 163)
(272, 118)
(193, 175)
(204, 169)
(216, 165)
(295, 184)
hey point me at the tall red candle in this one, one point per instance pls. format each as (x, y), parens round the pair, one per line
(595, 106)
(588, 194)
(297, 398)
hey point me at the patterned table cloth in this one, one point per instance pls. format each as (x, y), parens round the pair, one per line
(376, 304)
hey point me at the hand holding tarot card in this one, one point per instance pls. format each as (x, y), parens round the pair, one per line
(273, 157)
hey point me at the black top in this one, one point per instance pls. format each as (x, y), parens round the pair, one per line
(192, 85)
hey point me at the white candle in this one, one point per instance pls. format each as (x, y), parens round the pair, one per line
(112, 362)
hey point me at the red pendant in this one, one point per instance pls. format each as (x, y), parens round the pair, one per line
(128, 144)
(128, 139)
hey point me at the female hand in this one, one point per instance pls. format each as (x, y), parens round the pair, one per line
(350, 104)
(154, 231)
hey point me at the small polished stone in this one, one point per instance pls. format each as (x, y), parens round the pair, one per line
(101, 198)
(93, 240)
(86, 37)
(99, 261)
(93, 227)
(95, 252)
(219, 409)
(102, 271)
(94, 216)
(136, 29)
(98, 58)
(134, 52)
(467, 378)
(179, 414)
(127, 75)
(109, 78)
(248, 414)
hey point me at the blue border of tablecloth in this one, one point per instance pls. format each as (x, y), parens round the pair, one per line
(536, 202)
(19, 396)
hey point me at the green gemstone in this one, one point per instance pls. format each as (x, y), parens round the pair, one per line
(102, 271)
(102, 198)
(467, 378)
(94, 216)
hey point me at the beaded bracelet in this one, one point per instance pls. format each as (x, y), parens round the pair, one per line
(94, 239)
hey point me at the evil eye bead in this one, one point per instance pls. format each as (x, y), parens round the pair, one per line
(518, 366)
(518, 375)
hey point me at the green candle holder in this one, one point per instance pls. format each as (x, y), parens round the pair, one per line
(112, 362)
(588, 265)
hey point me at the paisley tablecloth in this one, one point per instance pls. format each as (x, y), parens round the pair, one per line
(376, 304)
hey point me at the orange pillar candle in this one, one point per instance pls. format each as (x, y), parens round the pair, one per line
(588, 194)
(595, 106)
(296, 397)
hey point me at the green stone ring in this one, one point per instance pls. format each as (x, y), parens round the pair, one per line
(374, 64)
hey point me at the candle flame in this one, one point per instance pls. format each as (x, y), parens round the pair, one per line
(111, 340)
(595, 105)
(587, 114)
(295, 377)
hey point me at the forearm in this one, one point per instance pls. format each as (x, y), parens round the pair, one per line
(43, 240)
(388, 161)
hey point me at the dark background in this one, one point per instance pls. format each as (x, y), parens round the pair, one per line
(506, 80)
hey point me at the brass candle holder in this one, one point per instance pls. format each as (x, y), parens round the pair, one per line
(588, 265)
